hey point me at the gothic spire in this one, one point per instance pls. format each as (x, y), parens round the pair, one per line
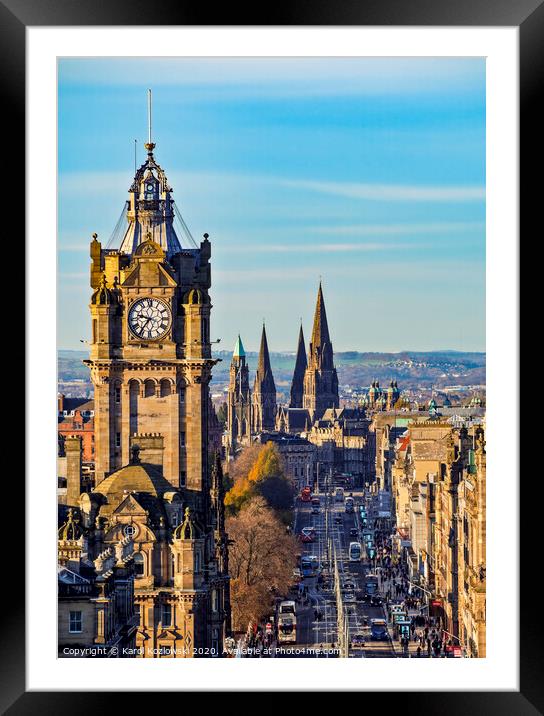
(297, 385)
(320, 353)
(264, 369)
(264, 391)
(320, 331)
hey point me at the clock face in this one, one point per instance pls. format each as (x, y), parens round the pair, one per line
(149, 318)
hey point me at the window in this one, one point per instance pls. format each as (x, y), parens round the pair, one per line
(166, 615)
(129, 530)
(138, 564)
(214, 600)
(118, 395)
(117, 439)
(75, 623)
(197, 561)
(182, 439)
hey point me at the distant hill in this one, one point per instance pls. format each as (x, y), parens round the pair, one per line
(409, 368)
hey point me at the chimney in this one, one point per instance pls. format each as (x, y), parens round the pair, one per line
(60, 400)
(73, 449)
(150, 449)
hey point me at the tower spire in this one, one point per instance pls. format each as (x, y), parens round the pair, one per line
(320, 330)
(320, 379)
(320, 353)
(264, 366)
(297, 385)
(264, 391)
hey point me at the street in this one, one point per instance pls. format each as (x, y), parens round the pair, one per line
(336, 605)
(332, 527)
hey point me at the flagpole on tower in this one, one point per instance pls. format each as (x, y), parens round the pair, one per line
(149, 116)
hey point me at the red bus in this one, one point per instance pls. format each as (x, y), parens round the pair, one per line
(306, 494)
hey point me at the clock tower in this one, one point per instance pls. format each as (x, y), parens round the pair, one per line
(150, 355)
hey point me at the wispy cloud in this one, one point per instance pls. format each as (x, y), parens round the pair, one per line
(390, 192)
(399, 229)
(324, 248)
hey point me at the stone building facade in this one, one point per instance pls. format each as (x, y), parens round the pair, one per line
(438, 489)
(96, 615)
(299, 456)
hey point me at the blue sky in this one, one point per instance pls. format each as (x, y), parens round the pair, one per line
(367, 172)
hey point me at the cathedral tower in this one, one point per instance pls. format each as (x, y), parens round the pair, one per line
(239, 399)
(297, 385)
(320, 379)
(264, 391)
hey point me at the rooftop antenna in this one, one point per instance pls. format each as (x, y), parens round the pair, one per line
(149, 116)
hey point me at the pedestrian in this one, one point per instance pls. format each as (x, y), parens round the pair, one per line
(418, 651)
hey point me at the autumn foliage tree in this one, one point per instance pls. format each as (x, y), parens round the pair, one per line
(261, 561)
(259, 471)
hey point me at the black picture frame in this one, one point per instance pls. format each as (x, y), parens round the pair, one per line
(528, 15)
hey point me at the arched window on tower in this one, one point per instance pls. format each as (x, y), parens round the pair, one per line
(149, 388)
(166, 388)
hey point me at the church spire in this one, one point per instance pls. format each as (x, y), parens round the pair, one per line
(320, 331)
(320, 353)
(297, 386)
(264, 368)
(264, 391)
(320, 379)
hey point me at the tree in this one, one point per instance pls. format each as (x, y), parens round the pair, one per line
(260, 471)
(261, 561)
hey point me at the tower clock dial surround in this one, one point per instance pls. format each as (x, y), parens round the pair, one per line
(149, 318)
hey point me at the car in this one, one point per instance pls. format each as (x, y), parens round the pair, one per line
(349, 597)
(338, 519)
(354, 532)
(349, 585)
(357, 641)
(376, 600)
